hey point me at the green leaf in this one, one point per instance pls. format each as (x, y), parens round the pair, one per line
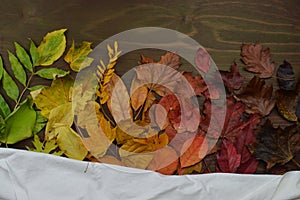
(19, 124)
(23, 57)
(48, 147)
(17, 68)
(4, 108)
(1, 67)
(36, 87)
(51, 48)
(10, 86)
(34, 53)
(77, 57)
(40, 122)
(51, 73)
(55, 95)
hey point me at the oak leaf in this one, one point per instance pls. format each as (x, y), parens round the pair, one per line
(257, 60)
(257, 97)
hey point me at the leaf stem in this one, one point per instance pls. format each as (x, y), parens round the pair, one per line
(24, 90)
(296, 163)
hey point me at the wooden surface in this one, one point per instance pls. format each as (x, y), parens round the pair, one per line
(219, 25)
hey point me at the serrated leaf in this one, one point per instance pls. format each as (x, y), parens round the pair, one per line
(4, 108)
(19, 124)
(51, 73)
(51, 48)
(10, 86)
(34, 53)
(48, 147)
(23, 57)
(55, 95)
(69, 142)
(77, 57)
(17, 68)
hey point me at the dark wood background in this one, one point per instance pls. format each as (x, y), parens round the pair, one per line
(221, 26)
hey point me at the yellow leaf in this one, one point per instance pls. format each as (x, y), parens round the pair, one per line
(138, 97)
(55, 95)
(69, 142)
(77, 57)
(61, 116)
(155, 142)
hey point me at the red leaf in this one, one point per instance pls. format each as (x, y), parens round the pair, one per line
(197, 83)
(193, 151)
(233, 80)
(248, 167)
(228, 159)
(202, 60)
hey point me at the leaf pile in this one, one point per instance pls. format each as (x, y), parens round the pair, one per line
(144, 124)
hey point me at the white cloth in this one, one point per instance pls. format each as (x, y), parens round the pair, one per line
(34, 176)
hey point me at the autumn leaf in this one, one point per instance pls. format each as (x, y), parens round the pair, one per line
(286, 77)
(276, 145)
(228, 159)
(202, 60)
(233, 80)
(49, 147)
(196, 82)
(171, 60)
(145, 60)
(165, 161)
(138, 97)
(77, 56)
(257, 97)
(257, 60)
(55, 95)
(197, 168)
(110, 160)
(193, 151)
(286, 102)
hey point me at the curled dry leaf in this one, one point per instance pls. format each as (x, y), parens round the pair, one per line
(257, 60)
(233, 80)
(257, 97)
(276, 145)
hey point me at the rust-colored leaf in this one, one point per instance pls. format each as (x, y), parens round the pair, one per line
(193, 151)
(257, 60)
(233, 80)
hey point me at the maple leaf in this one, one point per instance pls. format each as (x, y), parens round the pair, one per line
(202, 60)
(228, 159)
(196, 82)
(233, 80)
(257, 97)
(276, 145)
(57, 94)
(286, 102)
(286, 77)
(193, 151)
(257, 60)
(165, 161)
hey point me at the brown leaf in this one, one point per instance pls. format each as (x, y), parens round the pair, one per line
(257, 97)
(171, 60)
(286, 102)
(193, 151)
(165, 161)
(138, 97)
(197, 168)
(276, 145)
(146, 60)
(196, 82)
(110, 160)
(257, 60)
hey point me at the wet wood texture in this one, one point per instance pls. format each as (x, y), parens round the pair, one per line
(221, 26)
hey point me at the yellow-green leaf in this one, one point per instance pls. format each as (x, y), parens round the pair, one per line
(33, 53)
(1, 67)
(23, 56)
(60, 116)
(51, 48)
(10, 86)
(69, 142)
(77, 57)
(40, 123)
(51, 73)
(19, 124)
(55, 95)
(17, 68)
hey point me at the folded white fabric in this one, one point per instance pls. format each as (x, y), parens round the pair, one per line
(33, 176)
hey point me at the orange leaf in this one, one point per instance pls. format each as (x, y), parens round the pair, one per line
(193, 151)
(189, 170)
(165, 161)
(138, 97)
(110, 160)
